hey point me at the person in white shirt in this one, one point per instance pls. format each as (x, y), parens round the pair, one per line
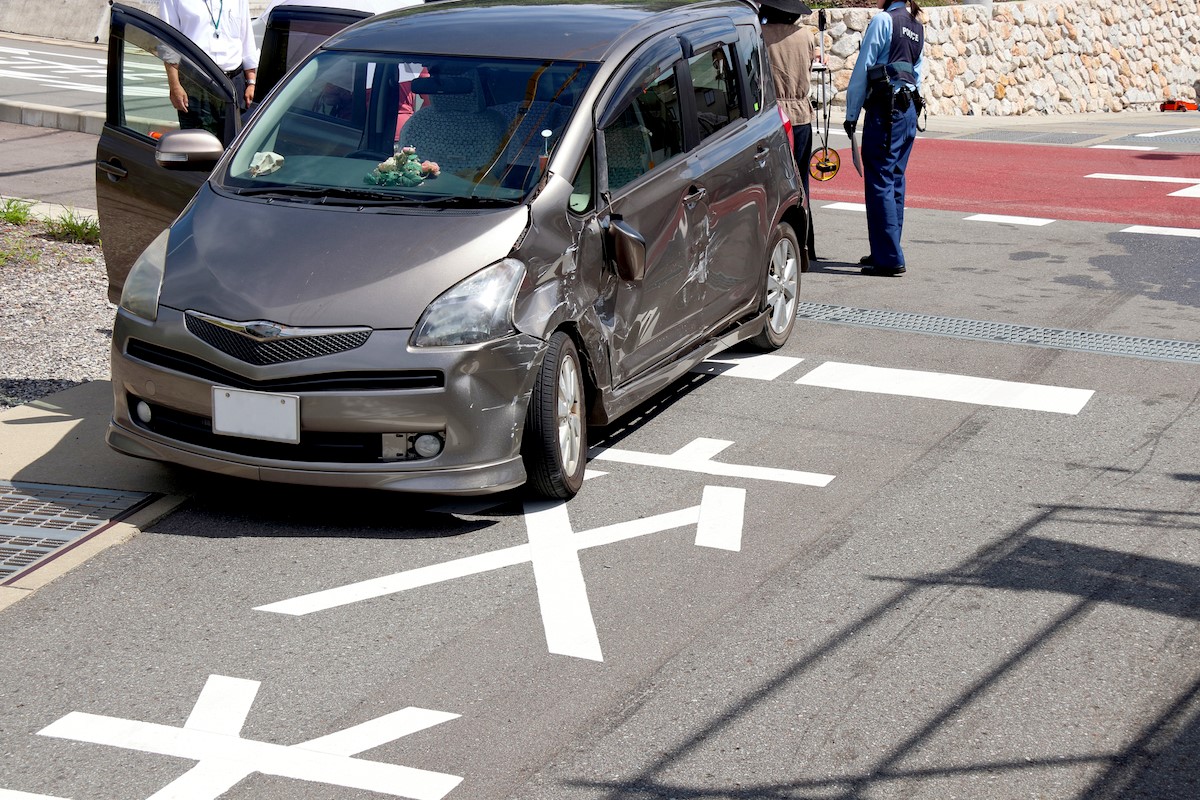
(221, 28)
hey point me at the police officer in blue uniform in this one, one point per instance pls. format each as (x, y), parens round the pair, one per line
(885, 84)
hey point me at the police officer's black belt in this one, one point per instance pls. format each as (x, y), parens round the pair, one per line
(233, 73)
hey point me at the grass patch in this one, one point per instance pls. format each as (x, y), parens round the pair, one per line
(16, 252)
(15, 212)
(71, 227)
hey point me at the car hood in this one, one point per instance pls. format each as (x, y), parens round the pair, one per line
(312, 265)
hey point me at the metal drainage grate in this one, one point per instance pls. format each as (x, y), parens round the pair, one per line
(1086, 341)
(1030, 137)
(39, 520)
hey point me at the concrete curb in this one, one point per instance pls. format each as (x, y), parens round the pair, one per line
(64, 119)
(47, 211)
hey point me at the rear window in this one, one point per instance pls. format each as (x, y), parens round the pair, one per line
(749, 50)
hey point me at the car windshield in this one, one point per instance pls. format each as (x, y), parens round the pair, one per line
(408, 129)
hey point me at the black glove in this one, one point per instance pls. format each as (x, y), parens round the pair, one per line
(850, 126)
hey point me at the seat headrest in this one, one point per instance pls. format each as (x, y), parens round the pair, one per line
(443, 84)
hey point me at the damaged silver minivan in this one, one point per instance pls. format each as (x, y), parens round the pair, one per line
(454, 237)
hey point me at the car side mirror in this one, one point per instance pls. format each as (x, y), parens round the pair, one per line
(629, 250)
(189, 149)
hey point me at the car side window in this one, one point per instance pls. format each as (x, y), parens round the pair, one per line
(751, 57)
(647, 131)
(145, 101)
(715, 85)
(581, 188)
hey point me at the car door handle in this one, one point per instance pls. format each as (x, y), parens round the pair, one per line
(695, 196)
(760, 155)
(112, 169)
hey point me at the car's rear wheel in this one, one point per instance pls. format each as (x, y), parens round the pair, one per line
(783, 288)
(555, 444)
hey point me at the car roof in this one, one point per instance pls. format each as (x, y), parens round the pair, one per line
(583, 30)
(368, 6)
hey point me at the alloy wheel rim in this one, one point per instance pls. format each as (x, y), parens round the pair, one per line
(782, 286)
(570, 416)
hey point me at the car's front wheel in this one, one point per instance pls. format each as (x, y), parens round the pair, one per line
(783, 288)
(555, 443)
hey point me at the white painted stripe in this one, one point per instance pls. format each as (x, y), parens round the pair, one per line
(1035, 221)
(588, 474)
(1115, 176)
(620, 531)
(942, 386)
(1122, 147)
(1167, 133)
(764, 367)
(562, 592)
(847, 206)
(400, 581)
(702, 449)
(1191, 191)
(208, 780)
(9, 794)
(223, 705)
(253, 756)
(376, 732)
(683, 462)
(1155, 231)
(472, 565)
(722, 514)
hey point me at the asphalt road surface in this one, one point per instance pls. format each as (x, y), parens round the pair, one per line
(943, 544)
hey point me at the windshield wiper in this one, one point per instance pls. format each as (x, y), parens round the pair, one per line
(468, 202)
(325, 194)
(281, 191)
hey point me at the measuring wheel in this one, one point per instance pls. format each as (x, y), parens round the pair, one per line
(824, 164)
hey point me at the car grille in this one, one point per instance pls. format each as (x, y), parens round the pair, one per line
(276, 349)
(186, 364)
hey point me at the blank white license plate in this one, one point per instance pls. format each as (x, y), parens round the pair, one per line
(256, 415)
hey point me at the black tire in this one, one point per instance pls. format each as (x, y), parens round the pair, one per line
(782, 292)
(554, 447)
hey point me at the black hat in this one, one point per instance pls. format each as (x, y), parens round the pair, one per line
(796, 7)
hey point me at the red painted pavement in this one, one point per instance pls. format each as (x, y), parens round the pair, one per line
(1036, 181)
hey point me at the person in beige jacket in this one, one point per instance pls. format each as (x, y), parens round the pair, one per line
(792, 50)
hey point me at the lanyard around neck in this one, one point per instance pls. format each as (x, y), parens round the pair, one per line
(216, 20)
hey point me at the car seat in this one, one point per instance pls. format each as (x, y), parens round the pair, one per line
(456, 129)
(628, 151)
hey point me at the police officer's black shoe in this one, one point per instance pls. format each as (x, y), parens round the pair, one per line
(869, 267)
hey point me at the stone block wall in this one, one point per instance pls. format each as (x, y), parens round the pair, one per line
(1042, 56)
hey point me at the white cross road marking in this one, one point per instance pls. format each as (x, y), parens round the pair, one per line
(562, 592)
(1035, 221)
(1122, 147)
(211, 738)
(1167, 133)
(722, 514)
(697, 457)
(942, 386)
(1156, 231)
(1192, 190)
(762, 367)
(553, 550)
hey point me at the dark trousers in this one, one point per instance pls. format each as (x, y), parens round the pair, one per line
(803, 136)
(886, 145)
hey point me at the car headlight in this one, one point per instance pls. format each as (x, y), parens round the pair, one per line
(140, 294)
(478, 309)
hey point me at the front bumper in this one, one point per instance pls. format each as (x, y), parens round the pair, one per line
(474, 398)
